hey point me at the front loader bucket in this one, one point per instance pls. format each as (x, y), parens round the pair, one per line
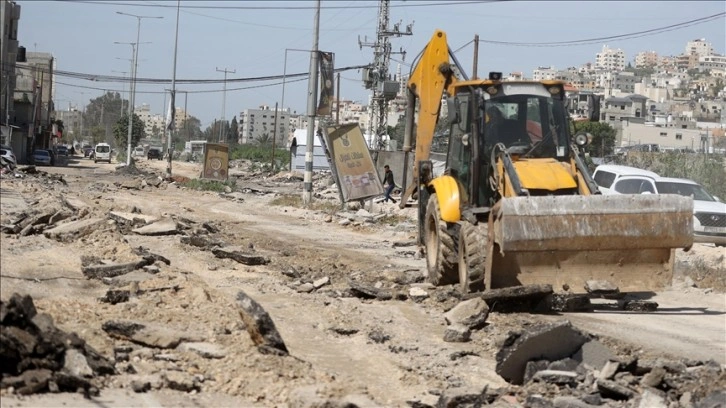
(629, 240)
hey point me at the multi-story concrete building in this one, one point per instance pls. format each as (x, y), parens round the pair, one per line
(687, 61)
(714, 63)
(155, 124)
(72, 123)
(646, 59)
(542, 73)
(259, 124)
(616, 109)
(699, 47)
(610, 59)
(9, 19)
(34, 93)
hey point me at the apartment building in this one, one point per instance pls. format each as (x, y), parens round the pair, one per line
(610, 59)
(259, 124)
(616, 109)
(646, 59)
(699, 47)
(714, 63)
(155, 124)
(9, 18)
(33, 101)
(543, 73)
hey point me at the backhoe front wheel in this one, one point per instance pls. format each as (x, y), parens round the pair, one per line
(440, 246)
(472, 257)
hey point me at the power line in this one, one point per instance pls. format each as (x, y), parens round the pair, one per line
(636, 34)
(112, 78)
(287, 7)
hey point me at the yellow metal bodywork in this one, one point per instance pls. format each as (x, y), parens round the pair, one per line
(544, 174)
(447, 192)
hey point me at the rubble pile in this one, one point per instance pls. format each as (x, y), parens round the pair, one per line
(558, 365)
(37, 357)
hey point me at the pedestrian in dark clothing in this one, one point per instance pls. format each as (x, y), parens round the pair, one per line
(388, 183)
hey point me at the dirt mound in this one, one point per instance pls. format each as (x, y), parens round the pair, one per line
(37, 357)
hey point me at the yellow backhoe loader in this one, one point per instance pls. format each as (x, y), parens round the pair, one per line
(516, 205)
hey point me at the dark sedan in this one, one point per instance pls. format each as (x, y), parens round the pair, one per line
(154, 153)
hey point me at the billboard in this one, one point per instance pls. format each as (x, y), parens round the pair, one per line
(216, 161)
(356, 173)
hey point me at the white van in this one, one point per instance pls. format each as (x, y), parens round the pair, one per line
(102, 152)
(606, 174)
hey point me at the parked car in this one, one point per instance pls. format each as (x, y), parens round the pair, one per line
(138, 151)
(7, 154)
(102, 152)
(62, 150)
(154, 153)
(606, 174)
(709, 213)
(87, 151)
(42, 157)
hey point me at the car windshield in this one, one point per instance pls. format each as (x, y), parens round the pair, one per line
(42, 153)
(102, 149)
(684, 189)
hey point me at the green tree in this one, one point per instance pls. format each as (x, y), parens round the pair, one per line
(104, 110)
(121, 129)
(190, 129)
(264, 140)
(603, 138)
(233, 132)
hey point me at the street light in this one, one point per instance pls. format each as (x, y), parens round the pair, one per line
(133, 80)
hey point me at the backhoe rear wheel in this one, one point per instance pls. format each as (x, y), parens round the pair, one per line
(472, 257)
(440, 246)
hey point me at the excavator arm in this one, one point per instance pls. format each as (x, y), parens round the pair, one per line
(432, 75)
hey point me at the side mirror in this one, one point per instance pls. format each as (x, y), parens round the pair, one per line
(452, 105)
(717, 199)
(593, 107)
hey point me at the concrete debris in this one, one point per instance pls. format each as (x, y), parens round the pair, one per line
(206, 350)
(518, 299)
(165, 226)
(260, 326)
(148, 334)
(571, 302)
(71, 231)
(556, 377)
(609, 370)
(471, 313)
(240, 256)
(601, 288)
(466, 397)
(594, 354)
(201, 241)
(150, 256)
(638, 305)
(115, 296)
(360, 290)
(37, 357)
(614, 390)
(457, 333)
(113, 270)
(417, 294)
(548, 341)
(321, 282)
(131, 219)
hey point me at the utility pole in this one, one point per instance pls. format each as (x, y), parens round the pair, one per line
(133, 80)
(169, 149)
(224, 100)
(378, 77)
(312, 110)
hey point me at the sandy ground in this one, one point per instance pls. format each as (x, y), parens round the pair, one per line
(383, 353)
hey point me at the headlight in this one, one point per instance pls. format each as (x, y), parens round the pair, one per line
(583, 138)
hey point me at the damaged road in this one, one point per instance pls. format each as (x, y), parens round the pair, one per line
(255, 303)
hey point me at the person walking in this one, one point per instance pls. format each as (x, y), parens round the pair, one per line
(388, 183)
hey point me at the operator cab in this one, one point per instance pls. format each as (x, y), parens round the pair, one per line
(525, 120)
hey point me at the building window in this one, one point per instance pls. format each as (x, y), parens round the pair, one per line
(622, 107)
(611, 118)
(679, 136)
(664, 134)
(684, 126)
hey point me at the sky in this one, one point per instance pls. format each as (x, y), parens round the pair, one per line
(253, 39)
